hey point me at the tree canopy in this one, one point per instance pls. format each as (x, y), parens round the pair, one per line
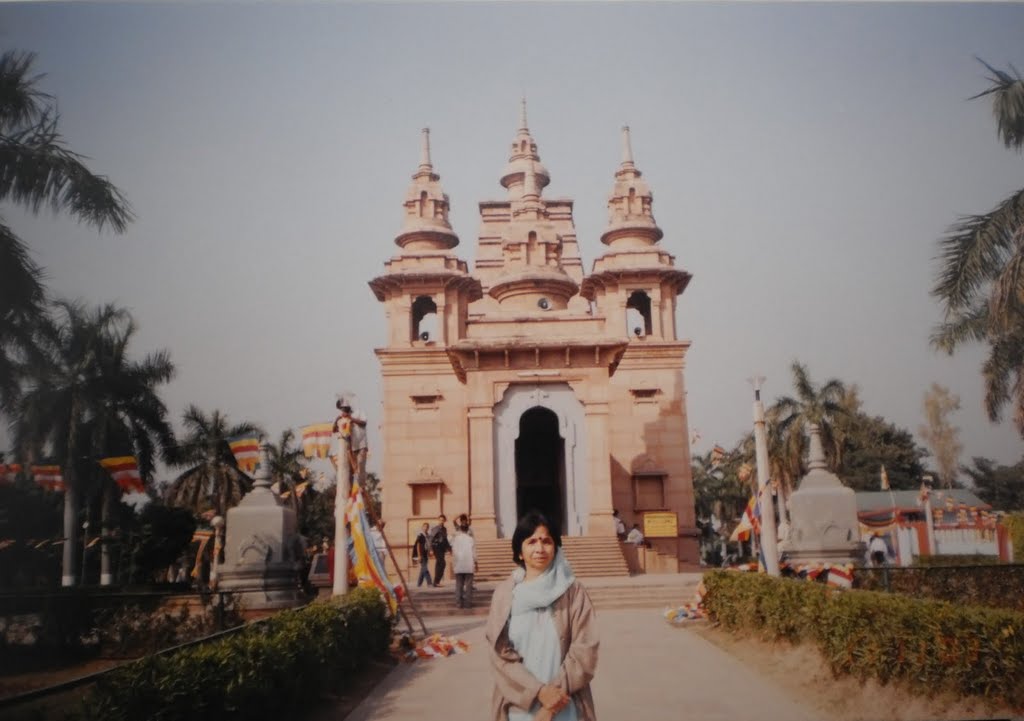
(37, 170)
(980, 282)
(1001, 486)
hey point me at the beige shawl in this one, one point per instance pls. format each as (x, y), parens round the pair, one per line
(577, 629)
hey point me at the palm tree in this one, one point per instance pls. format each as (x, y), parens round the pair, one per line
(285, 466)
(213, 479)
(981, 279)
(83, 396)
(37, 170)
(790, 417)
(134, 422)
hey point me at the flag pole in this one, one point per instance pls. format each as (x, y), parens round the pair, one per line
(769, 543)
(344, 471)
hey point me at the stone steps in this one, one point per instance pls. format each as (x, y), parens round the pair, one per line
(588, 556)
(646, 593)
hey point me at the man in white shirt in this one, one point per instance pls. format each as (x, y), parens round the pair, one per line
(620, 527)
(353, 426)
(636, 536)
(878, 551)
(464, 565)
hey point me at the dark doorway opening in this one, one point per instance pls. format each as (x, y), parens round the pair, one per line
(540, 466)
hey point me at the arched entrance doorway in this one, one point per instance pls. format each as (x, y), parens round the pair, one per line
(540, 465)
(512, 417)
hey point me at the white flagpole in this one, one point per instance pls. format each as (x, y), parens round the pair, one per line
(769, 543)
(341, 499)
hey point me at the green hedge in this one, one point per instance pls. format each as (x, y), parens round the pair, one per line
(998, 586)
(1015, 523)
(957, 560)
(929, 645)
(269, 670)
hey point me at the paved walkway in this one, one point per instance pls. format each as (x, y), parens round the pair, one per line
(647, 670)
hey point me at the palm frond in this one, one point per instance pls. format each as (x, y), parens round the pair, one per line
(973, 252)
(1007, 90)
(21, 101)
(36, 168)
(969, 325)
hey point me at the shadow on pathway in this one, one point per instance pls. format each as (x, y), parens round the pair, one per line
(647, 670)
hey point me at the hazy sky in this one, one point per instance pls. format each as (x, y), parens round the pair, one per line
(804, 158)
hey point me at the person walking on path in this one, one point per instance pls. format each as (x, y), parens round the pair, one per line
(421, 553)
(463, 564)
(541, 633)
(440, 546)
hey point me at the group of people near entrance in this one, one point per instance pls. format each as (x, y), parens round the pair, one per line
(435, 541)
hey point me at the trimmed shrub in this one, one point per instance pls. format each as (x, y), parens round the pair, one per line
(957, 560)
(1015, 523)
(269, 670)
(995, 585)
(925, 644)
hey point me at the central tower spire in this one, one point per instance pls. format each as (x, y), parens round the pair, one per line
(523, 155)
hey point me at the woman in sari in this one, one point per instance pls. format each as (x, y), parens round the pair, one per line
(541, 633)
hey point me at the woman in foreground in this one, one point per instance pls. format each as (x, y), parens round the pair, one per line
(541, 633)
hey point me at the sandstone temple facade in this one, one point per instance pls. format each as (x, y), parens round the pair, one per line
(526, 382)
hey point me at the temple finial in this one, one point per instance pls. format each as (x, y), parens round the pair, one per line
(627, 148)
(425, 163)
(522, 114)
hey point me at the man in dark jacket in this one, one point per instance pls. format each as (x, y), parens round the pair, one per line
(440, 546)
(421, 553)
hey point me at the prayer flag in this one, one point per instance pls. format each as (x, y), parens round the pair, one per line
(366, 565)
(246, 451)
(717, 454)
(749, 521)
(49, 477)
(9, 473)
(125, 472)
(840, 577)
(316, 440)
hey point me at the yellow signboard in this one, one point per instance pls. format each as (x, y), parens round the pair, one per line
(661, 524)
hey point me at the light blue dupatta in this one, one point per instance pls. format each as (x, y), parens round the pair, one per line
(532, 631)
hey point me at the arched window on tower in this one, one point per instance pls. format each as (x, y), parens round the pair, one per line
(424, 319)
(638, 314)
(423, 204)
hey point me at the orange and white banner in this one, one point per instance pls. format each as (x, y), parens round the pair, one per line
(49, 477)
(246, 452)
(316, 440)
(9, 473)
(125, 472)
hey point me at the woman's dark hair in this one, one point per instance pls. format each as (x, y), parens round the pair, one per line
(530, 522)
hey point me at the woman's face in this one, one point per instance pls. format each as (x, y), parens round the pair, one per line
(538, 551)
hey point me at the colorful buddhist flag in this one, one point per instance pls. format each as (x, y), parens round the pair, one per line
(717, 454)
(840, 577)
(885, 479)
(246, 451)
(749, 521)
(49, 477)
(9, 473)
(366, 565)
(316, 440)
(125, 472)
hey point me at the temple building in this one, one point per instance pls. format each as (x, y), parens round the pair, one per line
(526, 382)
